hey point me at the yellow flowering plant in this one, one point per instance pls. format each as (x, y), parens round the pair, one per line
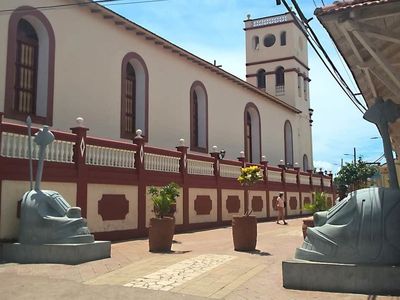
(249, 176)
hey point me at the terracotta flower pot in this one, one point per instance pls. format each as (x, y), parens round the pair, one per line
(244, 231)
(309, 222)
(161, 232)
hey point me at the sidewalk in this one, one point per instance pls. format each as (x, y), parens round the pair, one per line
(203, 265)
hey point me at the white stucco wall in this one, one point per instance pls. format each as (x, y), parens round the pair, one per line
(95, 193)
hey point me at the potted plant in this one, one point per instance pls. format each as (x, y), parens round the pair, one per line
(244, 228)
(162, 227)
(319, 204)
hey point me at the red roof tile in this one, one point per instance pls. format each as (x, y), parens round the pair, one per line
(341, 5)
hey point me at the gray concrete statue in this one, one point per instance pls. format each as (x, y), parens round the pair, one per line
(46, 217)
(363, 228)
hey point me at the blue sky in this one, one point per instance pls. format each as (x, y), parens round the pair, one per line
(213, 29)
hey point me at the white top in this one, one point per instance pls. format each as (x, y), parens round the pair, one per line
(281, 202)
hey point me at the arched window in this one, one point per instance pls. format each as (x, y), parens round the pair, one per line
(288, 136)
(198, 118)
(256, 42)
(283, 38)
(134, 96)
(30, 67)
(261, 79)
(252, 133)
(27, 65)
(305, 163)
(280, 81)
(130, 100)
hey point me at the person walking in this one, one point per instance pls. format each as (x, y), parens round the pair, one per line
(281, 206)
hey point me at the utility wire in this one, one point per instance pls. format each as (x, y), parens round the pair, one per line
(315, 38)
(343, 65)
(315, 4)
(83, 3)
(304, 19)
(335, 73)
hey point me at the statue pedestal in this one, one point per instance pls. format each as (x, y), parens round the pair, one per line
(341, 278)
(70, 254)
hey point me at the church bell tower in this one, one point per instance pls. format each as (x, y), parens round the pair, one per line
(277, 63)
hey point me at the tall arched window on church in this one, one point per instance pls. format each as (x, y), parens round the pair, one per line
(30, 67)
(134, 96)
(27, 65)
(249, 138)
(252, 133)
(280, 81)
(261, 79)
(283, 38)
(130, 100)
(198, 118)
(305, 163)
(288, 137)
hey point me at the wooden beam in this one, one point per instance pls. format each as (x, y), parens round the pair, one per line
(376, 32)
(382, 61)
(350, 41)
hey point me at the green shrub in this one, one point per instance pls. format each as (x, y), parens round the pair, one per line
(163, 198)
(320, 203)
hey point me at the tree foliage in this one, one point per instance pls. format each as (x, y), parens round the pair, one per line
(355, 175)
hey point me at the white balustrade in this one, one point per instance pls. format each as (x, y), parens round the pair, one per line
(109, 157)
(270, 20)
(229, 171)
(304, 179)
(198, 167)
(327, 182)
(16, 146)
(316, 181)
(161, 163)
(274, 176)
(290, 178)
(279, 90)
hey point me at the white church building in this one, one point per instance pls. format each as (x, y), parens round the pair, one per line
(88, 61)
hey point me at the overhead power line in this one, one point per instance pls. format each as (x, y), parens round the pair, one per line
(321, 52)
(104, 2)
(320, 46)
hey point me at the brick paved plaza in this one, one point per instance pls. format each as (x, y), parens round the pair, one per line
(202, 265)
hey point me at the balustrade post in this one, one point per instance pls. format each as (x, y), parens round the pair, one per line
(1, 127)
(140, 169)
(310, 172)
(333, 191)
(216, 155)
(183, 160)
(79, 159)
(297, 169)
(321, 180)
(264, 163)
(185, 189)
